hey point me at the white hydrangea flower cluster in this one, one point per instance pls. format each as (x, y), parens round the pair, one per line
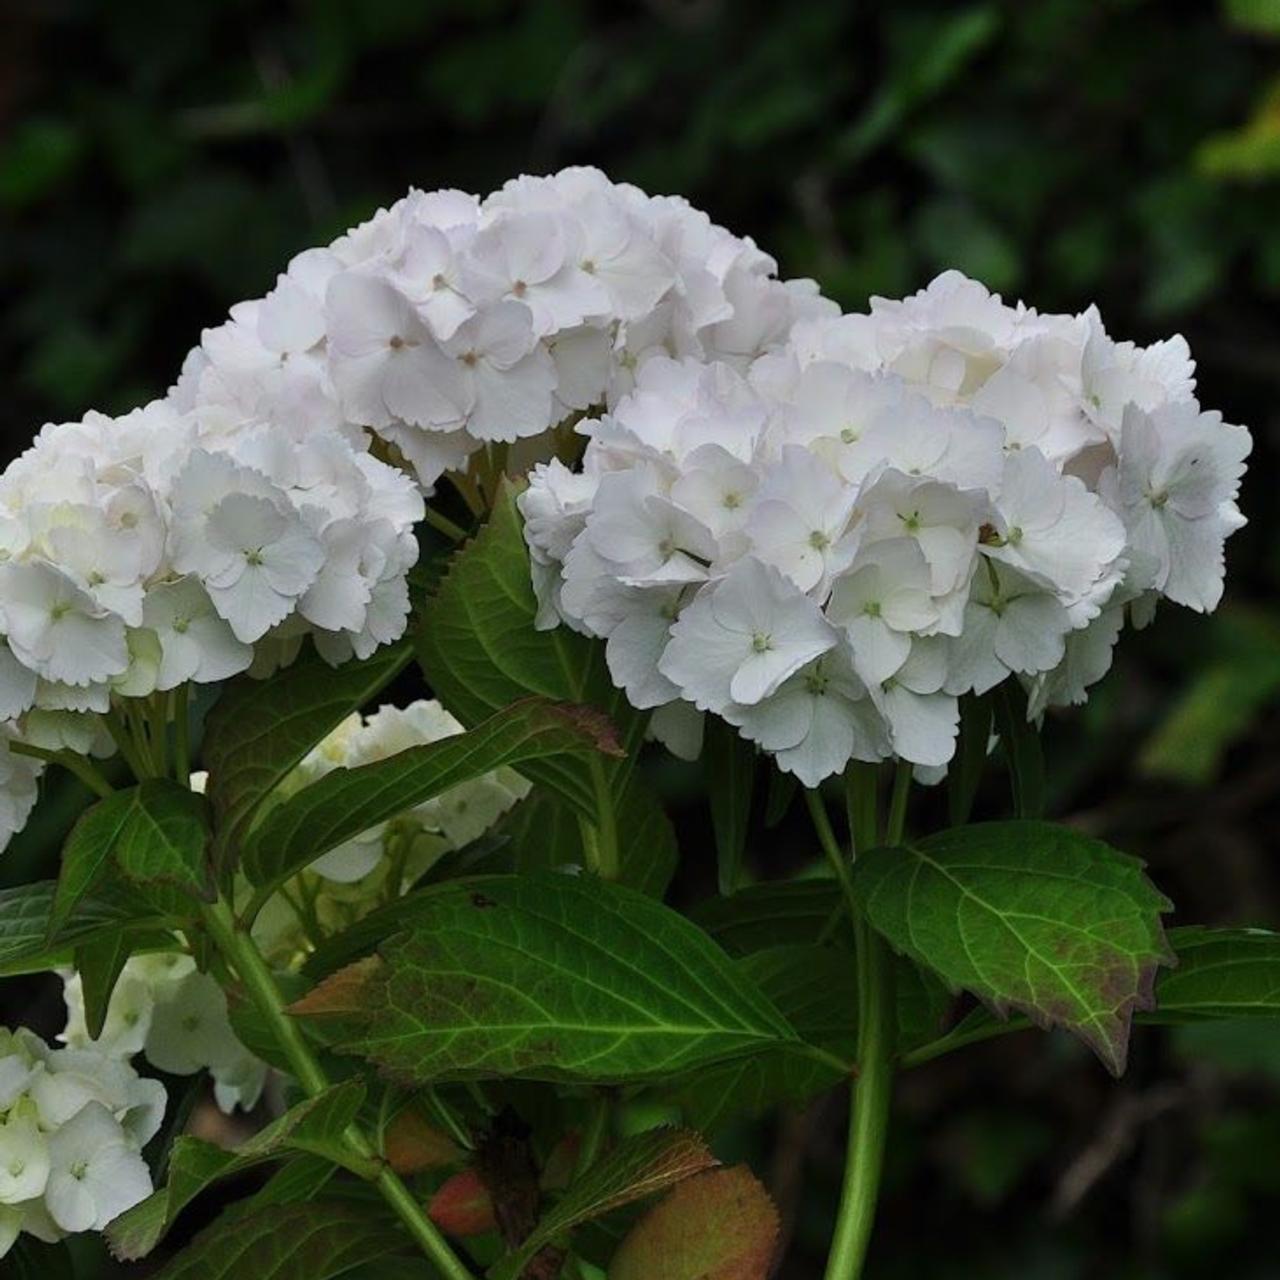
(420, 836)
(73, 1123)
(892, 510)
(447, 322)
(214, 530)
(163, 1007)
(141, 553)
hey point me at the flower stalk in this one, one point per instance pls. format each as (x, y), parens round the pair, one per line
(240, 952)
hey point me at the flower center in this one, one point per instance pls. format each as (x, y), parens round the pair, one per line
(816, 683)
(872, 608)
(1158, 498)
(819, 540)
(519, 288)
(79, 1169)
(732, 501)
(253, 557)
(761, 643)
(1015, 535)
(848, 434)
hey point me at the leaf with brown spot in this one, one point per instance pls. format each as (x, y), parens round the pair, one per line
(563, 978)
(1027, 916)
(720, 1225)
(638, 1167)
(342, 994)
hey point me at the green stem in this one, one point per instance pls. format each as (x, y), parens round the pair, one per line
(831, 847)
(182, 734)
(600, 840)
(158, 729)
(240, 952)
(877, 1032)
(897, 819)
(125, 745)
(71, 762)
(454, 532)
(869, 1110)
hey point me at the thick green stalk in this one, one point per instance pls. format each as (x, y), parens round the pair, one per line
(877, 1033)
(600, 839)
(73, 763)
(239, 951)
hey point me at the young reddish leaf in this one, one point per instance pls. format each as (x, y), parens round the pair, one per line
(638, 1167)
(463, 1206)
(411, 1145)
(720, 1225)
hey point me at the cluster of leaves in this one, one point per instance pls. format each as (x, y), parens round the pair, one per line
(507, 999)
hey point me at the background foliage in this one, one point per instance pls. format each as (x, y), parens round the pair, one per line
(159, 161)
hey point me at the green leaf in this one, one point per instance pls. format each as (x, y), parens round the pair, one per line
(1021, 742)
(480, 648)
(1027, 916)
(818, 990)
(720, 1225)
(772, 915)
(259, 730)
(311, 1240)
(154, 833)
(731, 771)
(99, 964)
(346, 802)
(638, 1167)
(546, 977)
(1221, 973)
(30, 944)
(314, 1127)
(299, 1179)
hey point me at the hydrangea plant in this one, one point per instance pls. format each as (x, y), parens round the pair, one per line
(576, 456)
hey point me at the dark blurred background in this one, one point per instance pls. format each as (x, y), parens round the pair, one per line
(159, 161)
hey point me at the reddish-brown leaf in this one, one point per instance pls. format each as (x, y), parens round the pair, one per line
(411, 1145)
(719, 1225)
(463, 1206)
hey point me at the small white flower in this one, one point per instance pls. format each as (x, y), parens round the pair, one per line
(24, 1157)
(195, 643)
(1179, 474)
(742, 637)
(386, 364)
(189, 1027)
(57, 629)
(884, 598)
(95, 1174)
(799, 522)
